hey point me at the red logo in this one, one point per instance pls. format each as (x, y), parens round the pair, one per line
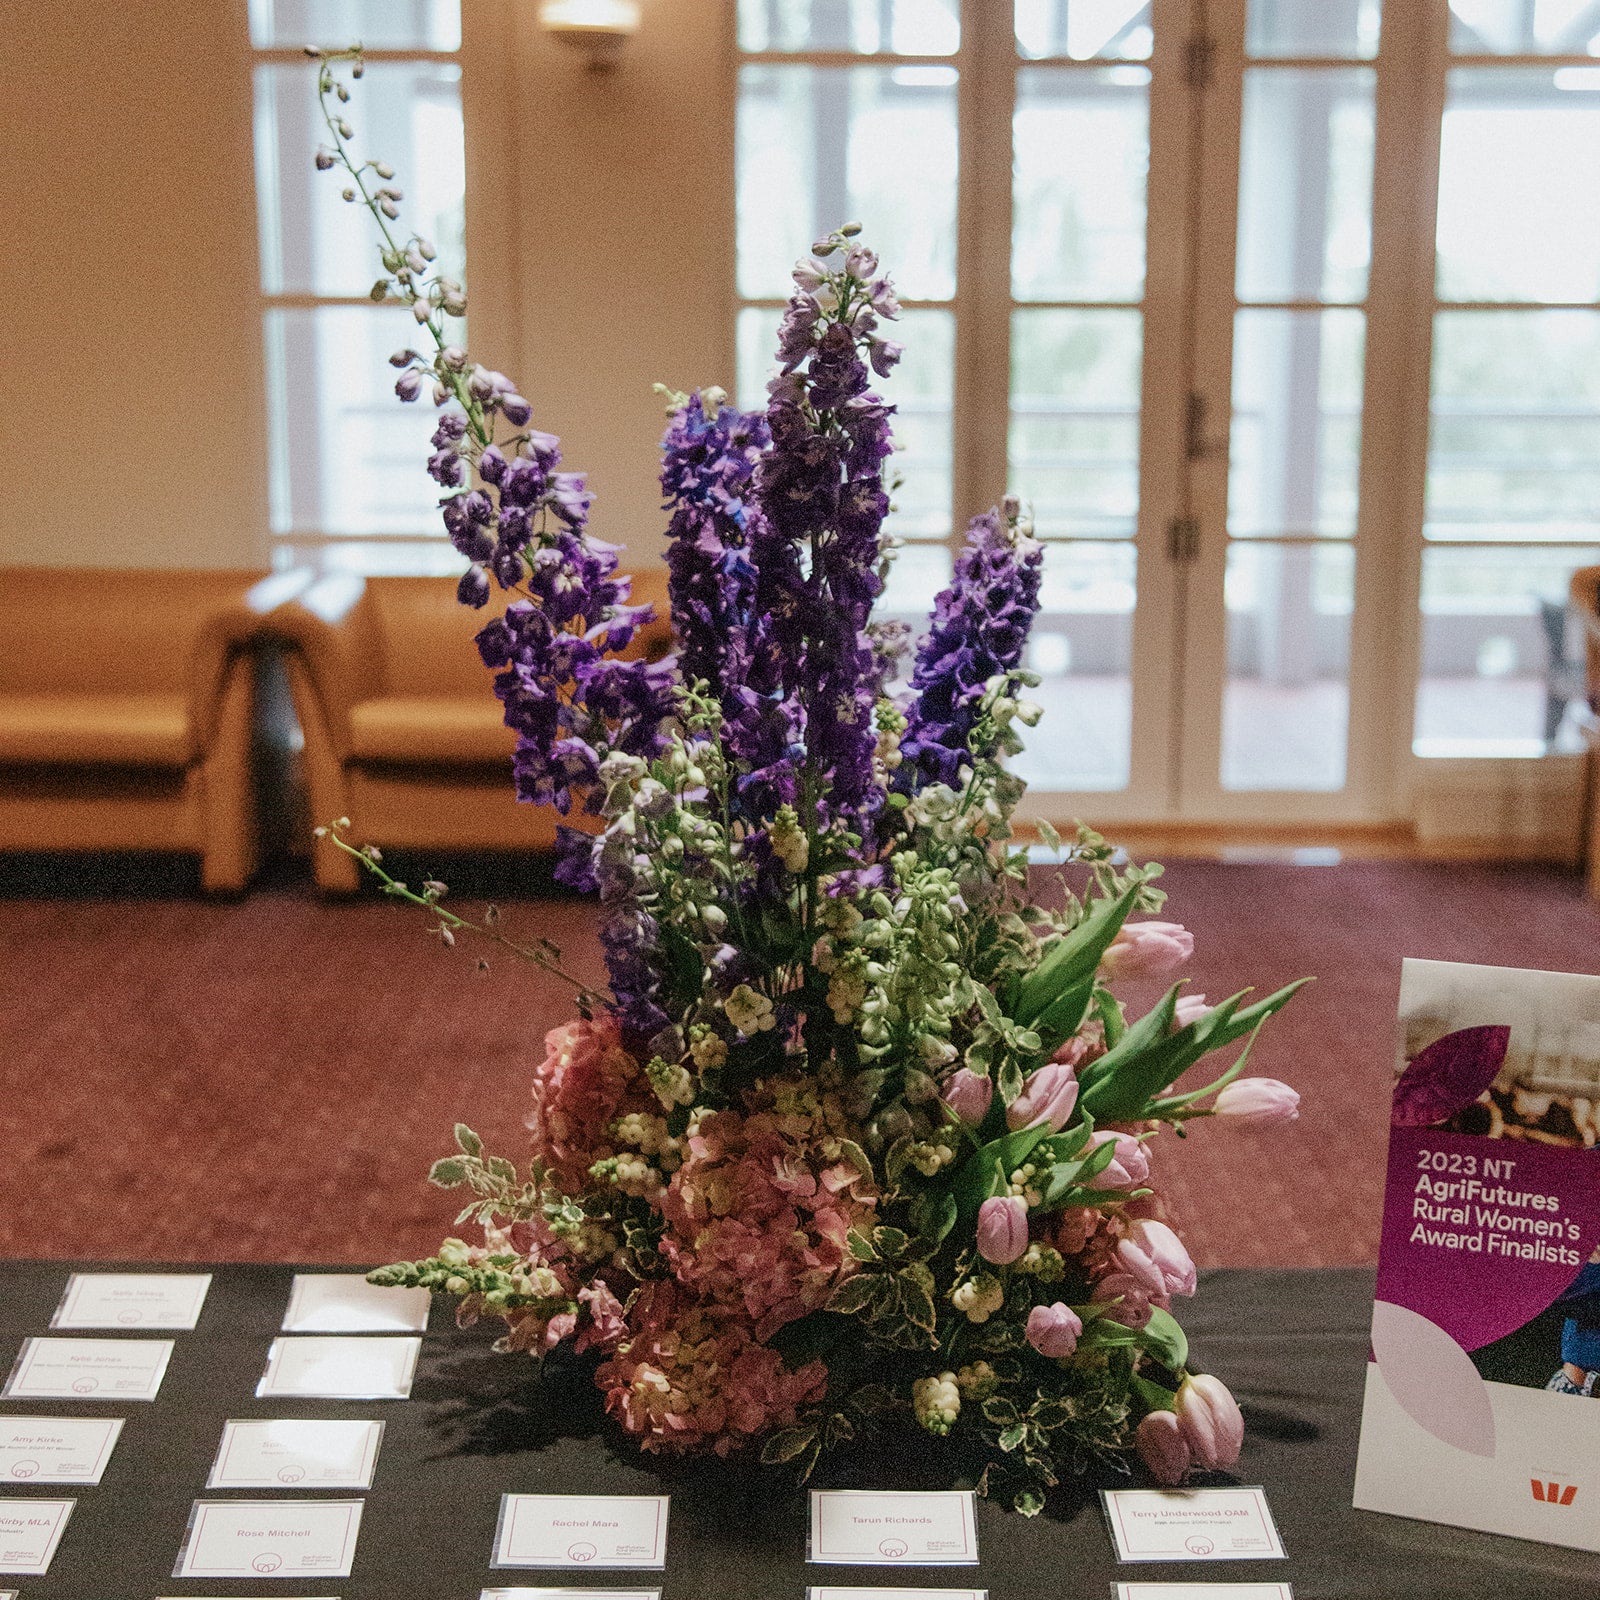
(1553, 1494)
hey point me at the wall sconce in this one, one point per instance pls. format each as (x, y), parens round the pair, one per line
(597, 28)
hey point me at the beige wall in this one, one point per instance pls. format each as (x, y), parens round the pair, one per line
(130, 365)
(625, 198)
(131, 389)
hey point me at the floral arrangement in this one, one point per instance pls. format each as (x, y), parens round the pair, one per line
(859, 1129)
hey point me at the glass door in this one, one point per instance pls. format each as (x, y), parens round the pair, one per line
(1275, 723)
(1093, 291)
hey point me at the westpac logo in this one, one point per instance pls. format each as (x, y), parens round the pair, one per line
(1553, 1494)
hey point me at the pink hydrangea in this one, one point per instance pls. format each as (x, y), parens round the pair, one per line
(758, 1213)
(690, 1375)
(579, 1090)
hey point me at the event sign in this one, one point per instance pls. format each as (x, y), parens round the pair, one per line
(1484, 1372)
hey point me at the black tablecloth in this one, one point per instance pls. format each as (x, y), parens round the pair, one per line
(1291, 1344)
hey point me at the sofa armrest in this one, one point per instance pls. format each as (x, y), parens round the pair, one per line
(330, 628)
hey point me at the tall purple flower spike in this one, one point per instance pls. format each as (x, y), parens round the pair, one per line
(980, 628)
(821, 500)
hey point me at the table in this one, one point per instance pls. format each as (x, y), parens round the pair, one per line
(1292, 1344)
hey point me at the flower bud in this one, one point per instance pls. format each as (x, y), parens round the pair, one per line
(1048, 1096)
(1210, 1421)
(324, 159)
(968, 1095)
(1002, 1229)
(1147, 950)
(1154, 1257)
(1190, 1008)
(1053, 1330)
(409, 384)
(1129, 1167)
(1163, 1448)
(383, 169)
(1258, 1102)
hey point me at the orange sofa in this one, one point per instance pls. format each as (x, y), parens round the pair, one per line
(125, 714)
(403, 733)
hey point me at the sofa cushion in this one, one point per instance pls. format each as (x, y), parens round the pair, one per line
(452, 730)
(138, 730)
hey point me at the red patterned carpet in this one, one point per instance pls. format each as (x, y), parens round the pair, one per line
(268, 1080)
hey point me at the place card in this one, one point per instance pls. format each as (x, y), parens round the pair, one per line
(334, 1368)
(132, 1300)
(344, 1302)
(574, 1530)
(1204, 1591)
(563, 1594)
(269, 1539)
(310, 1454)
(88, 1369)
(897, 1594)
(30, 1530)
(863, 1527)
(56, 1449)
(1191, 1524)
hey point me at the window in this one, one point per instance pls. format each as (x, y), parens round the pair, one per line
(1513, 475)
(345, 489)
(848, 109)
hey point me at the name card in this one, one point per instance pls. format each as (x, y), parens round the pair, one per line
(88, 1369)
(861, 1527)
(132, 1300)
(56, 1449)
(333, 1368)
(896, 1594)
(269, 1539)
(563, 1594)
(297, 1454)
(1204, 1591)
(30, 1530)
(1191, 1524)
(568, 1530)
(344, 1302)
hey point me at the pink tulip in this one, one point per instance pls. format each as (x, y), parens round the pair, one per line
(1128, 1168)
(1211, 1421)
(968, 1095)
(1163, 1448)
(1258, 1102)
(1048, 1096)
(1190, 1008)
(1147, 950)
(1126, 1300)
(1003, 1228)
(1053, 1330)
(1154, 1257)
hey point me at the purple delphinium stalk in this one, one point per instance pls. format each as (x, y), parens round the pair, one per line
(821, 501)
(980, 628)
(709, 458)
